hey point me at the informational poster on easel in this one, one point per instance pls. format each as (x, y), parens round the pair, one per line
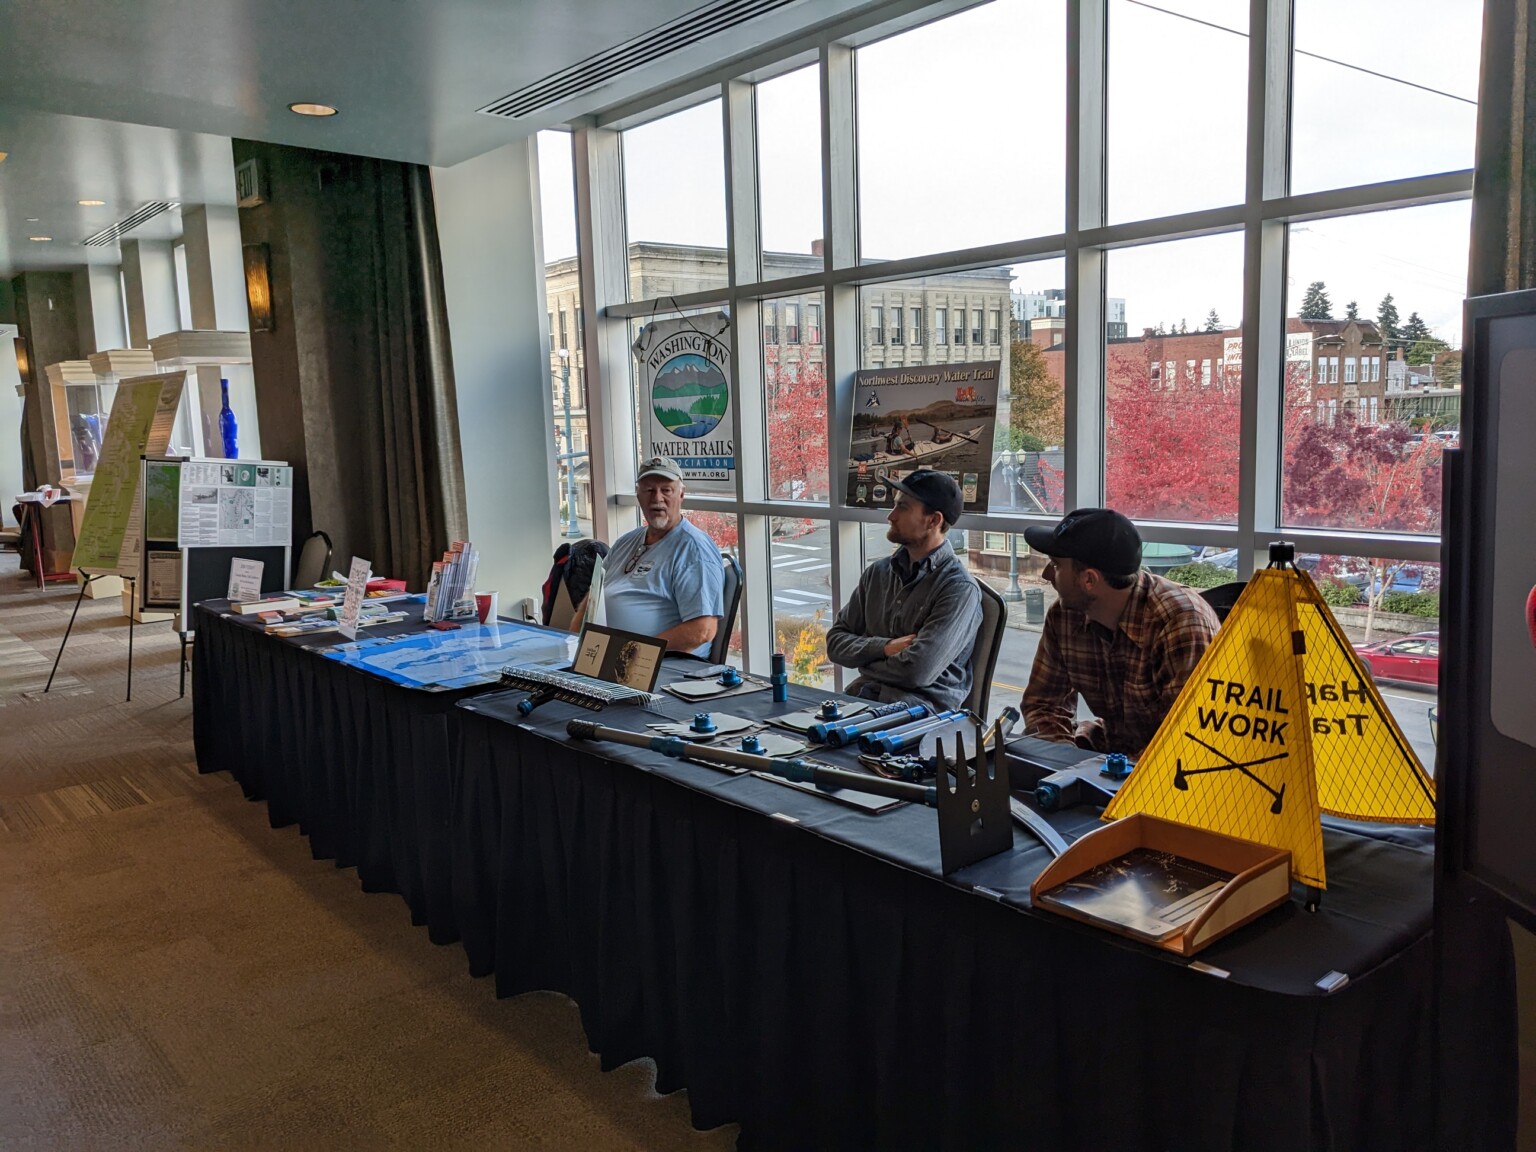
(229, 503)
(111, 540)
(196, 527)
(142, 415)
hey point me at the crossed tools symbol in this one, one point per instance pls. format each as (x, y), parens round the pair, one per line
(1181, 774)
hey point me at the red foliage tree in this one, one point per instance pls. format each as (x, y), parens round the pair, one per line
(796, 411)
(1170, 447)
(1370, 477)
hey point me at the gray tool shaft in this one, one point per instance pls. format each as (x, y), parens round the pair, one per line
(800, 771)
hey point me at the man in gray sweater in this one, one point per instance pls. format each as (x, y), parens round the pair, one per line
(911, 623)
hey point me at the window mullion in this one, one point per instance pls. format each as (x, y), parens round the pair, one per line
(1087, 43)
(603, 268)
(1262, 423)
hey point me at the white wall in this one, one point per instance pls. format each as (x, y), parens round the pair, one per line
(216, 285)
(99, 308)
(493, 274)
(10, 427)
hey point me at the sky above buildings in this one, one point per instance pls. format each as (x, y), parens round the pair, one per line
(962, 142)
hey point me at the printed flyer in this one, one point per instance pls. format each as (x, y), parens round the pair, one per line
(937, 417)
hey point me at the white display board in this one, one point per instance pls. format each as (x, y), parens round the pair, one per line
(229, 503)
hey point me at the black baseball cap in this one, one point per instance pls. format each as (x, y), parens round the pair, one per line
(937, 490)
(1098, 537)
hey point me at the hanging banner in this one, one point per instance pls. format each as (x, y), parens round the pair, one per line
(938, 417)
(140, 425)
(685, 397)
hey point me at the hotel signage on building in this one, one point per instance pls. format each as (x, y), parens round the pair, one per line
(685, 398)
(1298, 347)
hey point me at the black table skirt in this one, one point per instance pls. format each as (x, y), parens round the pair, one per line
(818, 981)
(362, 766)
(822, 997)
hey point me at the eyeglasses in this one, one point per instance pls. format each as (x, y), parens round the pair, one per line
(629, 565)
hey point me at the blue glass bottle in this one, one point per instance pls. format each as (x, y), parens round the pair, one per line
(228, 429)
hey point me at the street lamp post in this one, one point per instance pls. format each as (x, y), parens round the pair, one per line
(1013, 593)
(572, 529)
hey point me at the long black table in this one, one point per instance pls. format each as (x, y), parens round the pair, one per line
(803, 968)
(357, 763)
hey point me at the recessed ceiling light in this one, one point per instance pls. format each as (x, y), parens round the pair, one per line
(3, 155)
(39, 239)
(312, 109)
(91, 203)
(31, 219)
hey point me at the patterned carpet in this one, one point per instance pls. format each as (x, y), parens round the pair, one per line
(176, 974)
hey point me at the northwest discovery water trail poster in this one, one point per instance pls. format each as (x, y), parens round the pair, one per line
(937, 417)
(685, 371)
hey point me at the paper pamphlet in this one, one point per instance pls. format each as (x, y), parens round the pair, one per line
(143, 412)
(235, 502)
(164, 572)
(245, 579)
(352, 602)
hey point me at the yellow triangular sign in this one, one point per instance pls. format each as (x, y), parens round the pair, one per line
(1277, 722)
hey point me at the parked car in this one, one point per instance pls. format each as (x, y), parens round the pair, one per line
(1412, 659)
(1306, 561)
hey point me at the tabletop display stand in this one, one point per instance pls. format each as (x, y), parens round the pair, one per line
(202, 353)
(188, 547)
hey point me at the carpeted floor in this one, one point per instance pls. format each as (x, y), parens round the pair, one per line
(176, 974)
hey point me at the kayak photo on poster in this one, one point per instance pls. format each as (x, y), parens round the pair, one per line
(919, 417)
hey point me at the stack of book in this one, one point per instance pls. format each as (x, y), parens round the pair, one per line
(276, 602)
(123, 363)
(70, 372)
(202, 346)
(451, 591)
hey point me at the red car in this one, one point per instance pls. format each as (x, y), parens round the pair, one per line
(1414, 659)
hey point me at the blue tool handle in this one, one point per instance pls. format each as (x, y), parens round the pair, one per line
(847, 731)
(908, 736)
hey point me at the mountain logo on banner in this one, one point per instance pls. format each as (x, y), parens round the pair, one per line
(1278, 723)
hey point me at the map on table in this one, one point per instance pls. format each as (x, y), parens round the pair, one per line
(475, 654)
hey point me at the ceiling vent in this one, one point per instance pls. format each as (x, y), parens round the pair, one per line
(608, 65)
(112, 233)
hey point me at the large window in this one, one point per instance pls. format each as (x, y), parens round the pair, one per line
(1130, 346)
(674, 203)
(567, 361)
(795, 408)
(1175, 119)
(1171, 442)
(985, 88)
(789, 163)
(1417, 58)
(1363, 448)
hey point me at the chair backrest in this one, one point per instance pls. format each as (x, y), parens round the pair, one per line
(730, 596)
(314, 560)
(1223, 596)
(989, 642)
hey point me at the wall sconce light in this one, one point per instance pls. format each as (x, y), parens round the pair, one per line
(23, 363)
(258, 287)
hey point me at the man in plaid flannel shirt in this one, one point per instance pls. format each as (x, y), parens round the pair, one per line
(1124, 638)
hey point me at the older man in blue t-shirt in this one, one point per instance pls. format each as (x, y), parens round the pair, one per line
(665, 578)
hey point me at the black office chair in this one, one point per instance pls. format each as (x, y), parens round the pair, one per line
(730, 596)
(1223, 596)
(314, 562)
(989, 642)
